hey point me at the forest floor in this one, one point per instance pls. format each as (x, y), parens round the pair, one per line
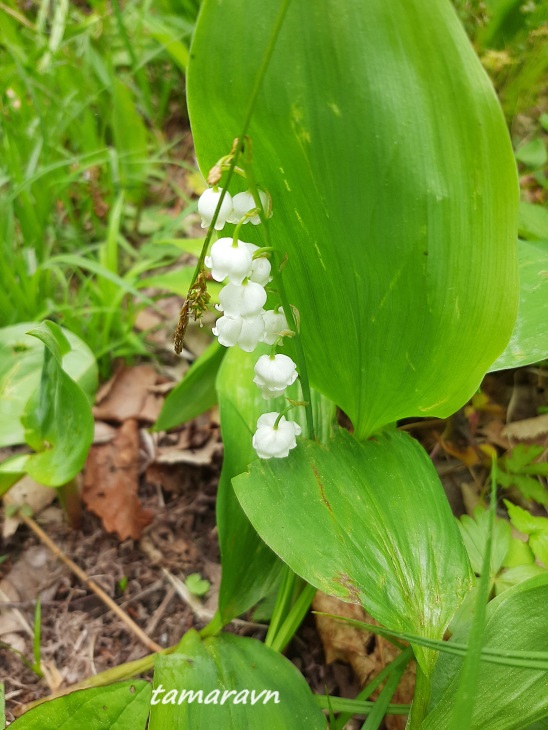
(148, 522)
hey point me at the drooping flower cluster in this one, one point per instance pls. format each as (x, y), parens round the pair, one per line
(246, 271)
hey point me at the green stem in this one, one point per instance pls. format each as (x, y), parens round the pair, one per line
(213, 627)
(421, 698)
(282, 605)
(69, 496)
(294, 618)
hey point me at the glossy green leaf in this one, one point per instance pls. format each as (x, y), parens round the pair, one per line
(507, 698)
(367, 522)
(393, 184)
(195, 393)
(231, 682)
(57, 419)
(250, 569)
(21, 358)
(115, 707)
(529, 341)
(53, 338)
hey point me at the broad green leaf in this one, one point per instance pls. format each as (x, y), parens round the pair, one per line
(250, 568)
(529, 342)
(57, 418)
(195, 393)
(53, 338)
(233, 683)
(21, 358)
(11, 470)
(393, 184)
(367, 522)
(508, 698)
(115, 707)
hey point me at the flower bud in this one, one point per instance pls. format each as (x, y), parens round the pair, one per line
(273, 374)
(260, 271)
(246, 300)
(243, 203)
(274, 324)
(274, 441)
(207, 204)
(245, 332)
(227, 260)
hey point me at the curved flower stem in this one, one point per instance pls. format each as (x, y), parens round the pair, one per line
(286, 410)
(238, 143)
(288, 311)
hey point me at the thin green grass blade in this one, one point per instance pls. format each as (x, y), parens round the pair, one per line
(466, 697)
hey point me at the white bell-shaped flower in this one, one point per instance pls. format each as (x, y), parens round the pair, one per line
(207, 204)
(273, 374)
(274, 441)
(274, 324)
(245, 332)
(229, 260)
(246, 300)
(243, 203)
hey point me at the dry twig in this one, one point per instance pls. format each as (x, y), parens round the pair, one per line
(107, 600)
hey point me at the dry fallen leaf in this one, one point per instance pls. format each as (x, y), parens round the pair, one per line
(128, 395)
(367, 653)
(342, 642)
(111, 480)
(528, 429)
(103, 433)
(26, 491)
(24, 582)
(196, 457)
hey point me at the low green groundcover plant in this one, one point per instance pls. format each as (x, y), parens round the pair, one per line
(361, 155)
